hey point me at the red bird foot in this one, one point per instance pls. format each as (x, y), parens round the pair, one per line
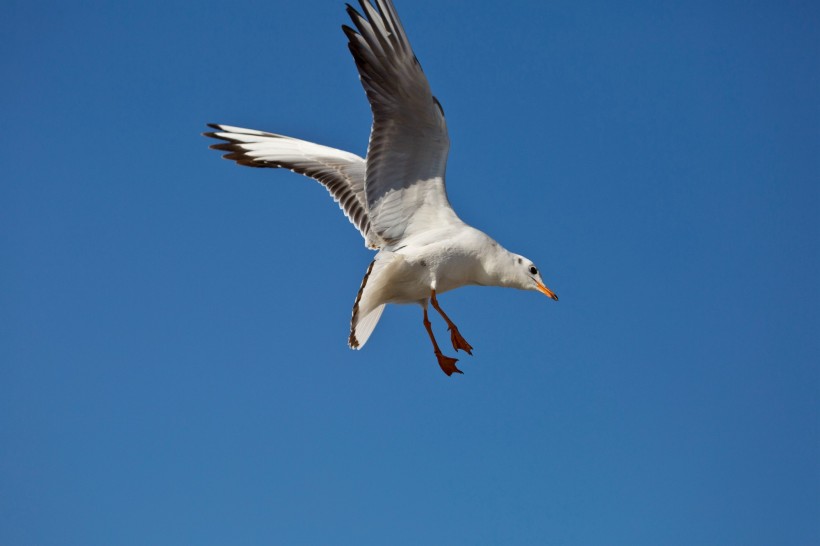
(448, 364)
(459, 343)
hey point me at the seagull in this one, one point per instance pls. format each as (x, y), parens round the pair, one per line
(396, 196)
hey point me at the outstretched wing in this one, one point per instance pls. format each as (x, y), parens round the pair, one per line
(407, 155)
(342, 173)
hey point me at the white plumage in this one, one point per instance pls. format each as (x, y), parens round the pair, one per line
(396, 197)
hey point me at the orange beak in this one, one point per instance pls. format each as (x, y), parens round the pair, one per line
(546, 291)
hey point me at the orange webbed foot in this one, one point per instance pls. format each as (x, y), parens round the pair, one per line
(448, 364)
(459, 343)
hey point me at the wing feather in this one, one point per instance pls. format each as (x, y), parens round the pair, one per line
(341, 173)
(409, 143)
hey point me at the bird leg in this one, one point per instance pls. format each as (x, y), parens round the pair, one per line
(455, 336)
(448, 364)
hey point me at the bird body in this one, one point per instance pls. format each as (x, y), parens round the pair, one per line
(396, 196)
(437, 260)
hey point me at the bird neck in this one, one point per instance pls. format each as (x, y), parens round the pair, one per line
(496, 269)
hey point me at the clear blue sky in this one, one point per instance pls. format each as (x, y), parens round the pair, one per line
(173, 359)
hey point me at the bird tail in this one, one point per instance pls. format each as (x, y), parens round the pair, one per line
(370, 301)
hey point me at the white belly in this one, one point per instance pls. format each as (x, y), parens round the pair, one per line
(412, 278)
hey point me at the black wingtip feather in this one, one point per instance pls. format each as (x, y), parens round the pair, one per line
(353, 12)
(349, 32)
(225, 146)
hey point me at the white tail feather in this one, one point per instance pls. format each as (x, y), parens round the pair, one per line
(365, 326)
(370, 300)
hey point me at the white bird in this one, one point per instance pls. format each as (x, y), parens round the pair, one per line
(396, 196)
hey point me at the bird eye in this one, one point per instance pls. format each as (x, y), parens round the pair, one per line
(533, 270)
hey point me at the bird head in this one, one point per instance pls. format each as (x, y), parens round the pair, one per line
(527, 277)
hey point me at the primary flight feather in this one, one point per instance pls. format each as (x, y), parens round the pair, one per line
(395, 197)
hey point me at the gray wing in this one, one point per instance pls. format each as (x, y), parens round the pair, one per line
(342, 173)
(407, 155)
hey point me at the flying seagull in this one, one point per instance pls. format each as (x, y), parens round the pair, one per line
(396, 195)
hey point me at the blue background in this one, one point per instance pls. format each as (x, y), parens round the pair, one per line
(173, 360)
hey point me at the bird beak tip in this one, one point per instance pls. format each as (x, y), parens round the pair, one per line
(547, 292)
